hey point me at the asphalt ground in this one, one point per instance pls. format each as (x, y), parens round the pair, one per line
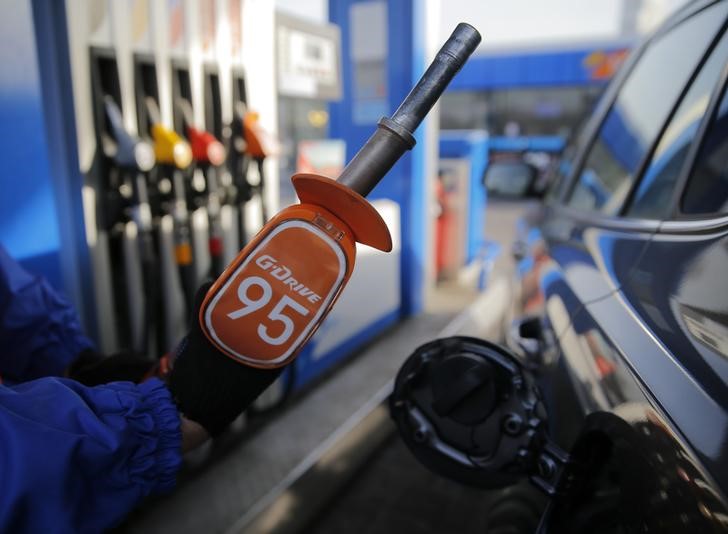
(394, 493)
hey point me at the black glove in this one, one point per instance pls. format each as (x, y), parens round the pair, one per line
(208, 386)
(92, 369)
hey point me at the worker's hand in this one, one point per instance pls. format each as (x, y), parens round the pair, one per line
(193, 434)
(209, 387)
(93, 369)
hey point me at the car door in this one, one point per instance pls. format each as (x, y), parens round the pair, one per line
(645, 359)
(678, 292)
(585, 250)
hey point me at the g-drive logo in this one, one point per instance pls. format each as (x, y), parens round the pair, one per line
(285, 275)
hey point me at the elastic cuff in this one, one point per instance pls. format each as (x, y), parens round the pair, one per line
(160, 459)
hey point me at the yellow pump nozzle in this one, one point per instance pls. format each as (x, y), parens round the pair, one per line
(170, 148)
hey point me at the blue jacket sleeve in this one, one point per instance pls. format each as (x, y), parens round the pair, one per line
(78, 459)
(38, 327)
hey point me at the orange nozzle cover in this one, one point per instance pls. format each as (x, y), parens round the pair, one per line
(275, 294)
(253, 135)
(170, 148)
(365, 222)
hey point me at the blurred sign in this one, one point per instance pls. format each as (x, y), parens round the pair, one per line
(175, 12)
(321, 156)
(140, 24)
(603, 65)
(309, 57)
(206, 15)
(236, 26)
(504, 70)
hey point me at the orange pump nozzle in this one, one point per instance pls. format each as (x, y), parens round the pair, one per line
(259, 144)
(274, 295)
(170, 148)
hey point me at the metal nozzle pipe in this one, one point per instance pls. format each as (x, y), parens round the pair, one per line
(394, 136)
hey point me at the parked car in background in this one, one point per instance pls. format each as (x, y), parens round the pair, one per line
(623, 305)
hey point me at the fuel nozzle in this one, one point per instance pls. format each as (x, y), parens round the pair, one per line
(206, 149)
(259, 144)
(235, 140)
(237, 130)
(394, 136)
(169, 147)
(126, 192)
(125, 149)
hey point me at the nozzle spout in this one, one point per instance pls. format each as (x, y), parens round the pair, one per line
(394, 136)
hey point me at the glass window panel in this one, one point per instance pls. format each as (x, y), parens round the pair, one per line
(707, 189)
(652, 198)
(641, 108)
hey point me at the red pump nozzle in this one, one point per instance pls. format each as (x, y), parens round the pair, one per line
(205, 148)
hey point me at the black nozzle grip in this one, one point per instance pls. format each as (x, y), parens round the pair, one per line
(394, 136)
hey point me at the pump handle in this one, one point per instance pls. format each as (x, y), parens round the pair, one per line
(394, 136)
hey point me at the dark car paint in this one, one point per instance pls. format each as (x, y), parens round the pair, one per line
(639, 476)
(686, 307)
(638, 311)
(618, 354)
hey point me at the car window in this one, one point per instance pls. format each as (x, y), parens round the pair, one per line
(558, 175)
(511, 178)
(707, 187)
(640, 109)
(653, 197)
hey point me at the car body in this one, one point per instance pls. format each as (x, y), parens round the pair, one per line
(624, 290)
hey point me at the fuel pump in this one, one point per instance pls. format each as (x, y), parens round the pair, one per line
(208, 154)
(258, 146)
(174, 156)
(125, 264)
(238, 164)
(248, 144)
(133, 159)
(272, 298)
(119, 163)
(238, 189)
